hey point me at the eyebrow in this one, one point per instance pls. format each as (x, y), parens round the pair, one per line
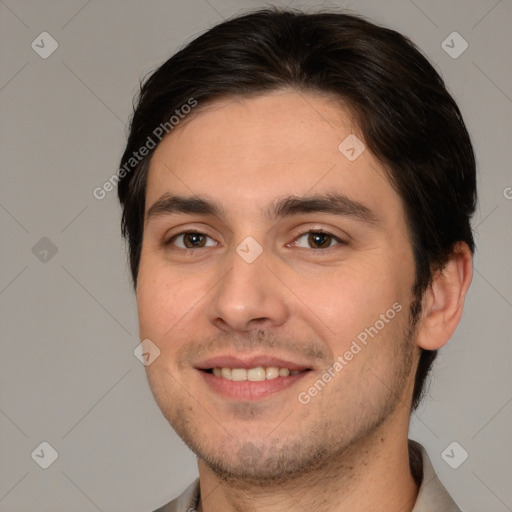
(337, 204)
(169, 204)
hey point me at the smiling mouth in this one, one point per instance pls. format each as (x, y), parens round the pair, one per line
(256, 374)
(251, 383)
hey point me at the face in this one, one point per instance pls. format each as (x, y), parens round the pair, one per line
(275, 279)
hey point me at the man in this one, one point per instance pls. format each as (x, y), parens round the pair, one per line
(297, 193)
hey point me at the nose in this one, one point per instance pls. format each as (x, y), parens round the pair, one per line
(248, 297)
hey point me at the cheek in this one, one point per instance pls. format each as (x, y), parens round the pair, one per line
(164, 297)
(149, 299)
(349, 302)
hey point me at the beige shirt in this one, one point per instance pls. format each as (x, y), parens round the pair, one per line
(432, 496)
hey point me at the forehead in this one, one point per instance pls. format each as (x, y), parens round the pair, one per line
(248, 150)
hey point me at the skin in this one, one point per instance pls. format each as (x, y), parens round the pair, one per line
(347, 448)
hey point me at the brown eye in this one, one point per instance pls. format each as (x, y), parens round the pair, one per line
(317, 240)
(191, 240)
(194, 240)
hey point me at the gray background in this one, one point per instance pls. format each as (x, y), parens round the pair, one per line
(68, 320)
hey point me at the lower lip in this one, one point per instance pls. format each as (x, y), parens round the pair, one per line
(250, 390)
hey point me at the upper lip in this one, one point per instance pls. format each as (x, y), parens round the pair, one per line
(249, 361)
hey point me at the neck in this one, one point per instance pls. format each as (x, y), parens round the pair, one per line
(373, 474)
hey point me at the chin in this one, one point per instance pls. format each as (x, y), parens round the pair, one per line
(264, 462)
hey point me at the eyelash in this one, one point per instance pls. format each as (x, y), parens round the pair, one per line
(337, 239)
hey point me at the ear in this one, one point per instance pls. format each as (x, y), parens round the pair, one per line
(443, 301)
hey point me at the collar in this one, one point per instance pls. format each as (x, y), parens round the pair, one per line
(432, 496)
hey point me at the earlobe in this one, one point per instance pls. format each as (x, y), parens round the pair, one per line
(443, 302)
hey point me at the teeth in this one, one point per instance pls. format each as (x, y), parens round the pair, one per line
(256, 374)
(238, 374)
(272, 372)
(253, 374)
